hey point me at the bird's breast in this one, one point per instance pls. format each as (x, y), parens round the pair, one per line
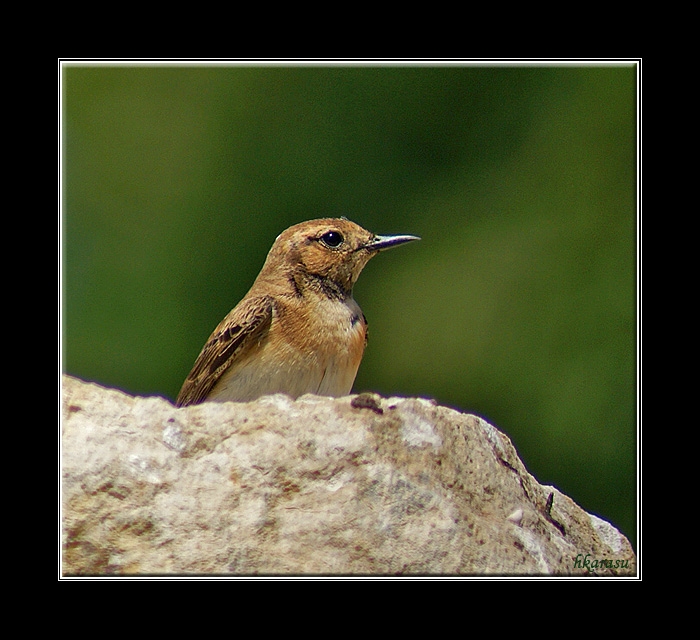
(314, 347)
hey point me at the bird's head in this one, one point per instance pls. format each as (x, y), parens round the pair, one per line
(328, 253)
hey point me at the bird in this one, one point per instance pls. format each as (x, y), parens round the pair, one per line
(298, 330)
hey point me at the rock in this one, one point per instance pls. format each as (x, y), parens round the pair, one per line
(359, 485)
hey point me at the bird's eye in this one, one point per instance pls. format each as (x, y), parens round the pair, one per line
(332, 239)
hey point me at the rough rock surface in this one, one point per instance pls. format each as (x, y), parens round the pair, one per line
(360, 485)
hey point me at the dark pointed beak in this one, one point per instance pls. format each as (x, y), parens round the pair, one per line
(380, 243)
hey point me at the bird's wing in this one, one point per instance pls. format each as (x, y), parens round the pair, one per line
(237, 332)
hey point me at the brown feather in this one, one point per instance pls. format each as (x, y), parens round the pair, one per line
(236, 333)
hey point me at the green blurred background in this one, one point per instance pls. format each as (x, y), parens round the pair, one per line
(518, 305)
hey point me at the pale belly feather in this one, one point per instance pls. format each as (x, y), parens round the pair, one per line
(324, 362)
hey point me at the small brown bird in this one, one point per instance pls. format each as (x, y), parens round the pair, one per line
(298, 330)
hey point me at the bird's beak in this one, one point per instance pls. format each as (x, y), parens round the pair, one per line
(380, 243)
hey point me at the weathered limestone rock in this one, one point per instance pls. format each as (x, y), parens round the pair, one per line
(357, 485)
